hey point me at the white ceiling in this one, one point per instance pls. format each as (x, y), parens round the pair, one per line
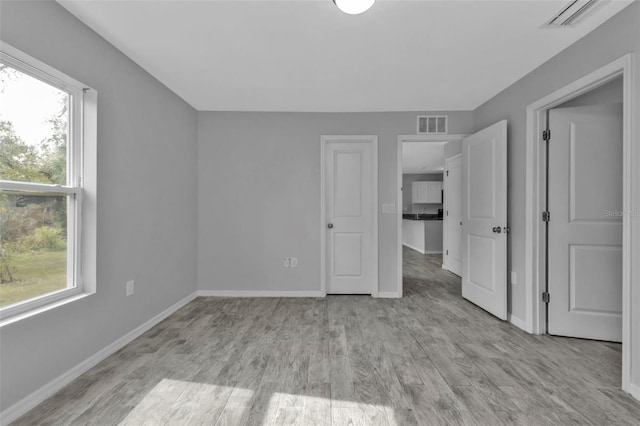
(306, 55)
(422, 157)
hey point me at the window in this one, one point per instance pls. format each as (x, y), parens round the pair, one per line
(47, 150)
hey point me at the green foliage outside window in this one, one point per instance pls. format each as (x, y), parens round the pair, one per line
(32, 227)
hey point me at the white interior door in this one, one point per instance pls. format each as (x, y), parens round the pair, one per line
(350, 187)
(484, 212)
(453, 213)
(585, 228)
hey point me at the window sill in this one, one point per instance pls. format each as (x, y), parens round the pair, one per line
(42, 309)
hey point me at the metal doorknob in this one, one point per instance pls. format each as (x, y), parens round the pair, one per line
(497, 229)
(330, 225)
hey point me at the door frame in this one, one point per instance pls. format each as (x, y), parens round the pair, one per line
(402, 139)
(324, 140)
(534, 205)
(445, 206)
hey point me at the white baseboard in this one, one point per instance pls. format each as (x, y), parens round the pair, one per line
(252, 293)
(29, 402)
(634, 390)
(414, 248)
(388, 295)
(518, 322)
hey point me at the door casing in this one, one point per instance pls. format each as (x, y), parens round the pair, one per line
(535, 205)
(373, 140)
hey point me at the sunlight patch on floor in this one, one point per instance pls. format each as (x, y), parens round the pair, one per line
(182, 402)
(313, 409)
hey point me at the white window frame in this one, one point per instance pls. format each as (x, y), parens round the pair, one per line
(80, 188)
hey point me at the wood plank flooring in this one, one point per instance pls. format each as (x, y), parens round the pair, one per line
(430, 358)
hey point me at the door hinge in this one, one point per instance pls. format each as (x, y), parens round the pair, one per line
(546, 216)
(546, 135)
(545, 297)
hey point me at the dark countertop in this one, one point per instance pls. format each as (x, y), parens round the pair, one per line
(421, 216)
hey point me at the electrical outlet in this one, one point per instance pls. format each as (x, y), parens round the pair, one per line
(286, 262)
(294, 262)
(130, 288)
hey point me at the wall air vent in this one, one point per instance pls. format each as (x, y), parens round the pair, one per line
(433, 124)
(571, 13)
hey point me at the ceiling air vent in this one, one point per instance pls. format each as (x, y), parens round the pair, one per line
(571, 13)
(433, 124)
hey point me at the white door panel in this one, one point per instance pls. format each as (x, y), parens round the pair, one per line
(585, 234)
(453, 214)
(484, 212)
(349, 202)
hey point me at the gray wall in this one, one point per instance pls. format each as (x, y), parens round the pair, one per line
(612, 40)
(407, 180)
(452, 148)
(146, 198)
(259, 194)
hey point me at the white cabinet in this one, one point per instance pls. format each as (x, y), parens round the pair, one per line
(426, 192)
(420, 192)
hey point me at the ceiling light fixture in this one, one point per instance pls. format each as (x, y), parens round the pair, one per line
(354, 7)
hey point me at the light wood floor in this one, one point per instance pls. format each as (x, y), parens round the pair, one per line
(429, 358)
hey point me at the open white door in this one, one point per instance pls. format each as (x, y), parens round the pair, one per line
(453, 213)
(484, 212)
(585, 227)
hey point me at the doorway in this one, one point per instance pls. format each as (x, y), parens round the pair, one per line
(584, 223)
(535, 236)
(421, 198)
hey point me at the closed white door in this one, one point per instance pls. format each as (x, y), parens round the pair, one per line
(351, 246)
(484, 212)
(453, 214)
(585, 227)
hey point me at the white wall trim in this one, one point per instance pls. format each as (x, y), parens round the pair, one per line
(24, 405)
(373, 140)
(534, 231)
(634, 390)
(251, 293)
(412, 247)
(402, 139)
(432, 138)
(389, 295)
(521, 324)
